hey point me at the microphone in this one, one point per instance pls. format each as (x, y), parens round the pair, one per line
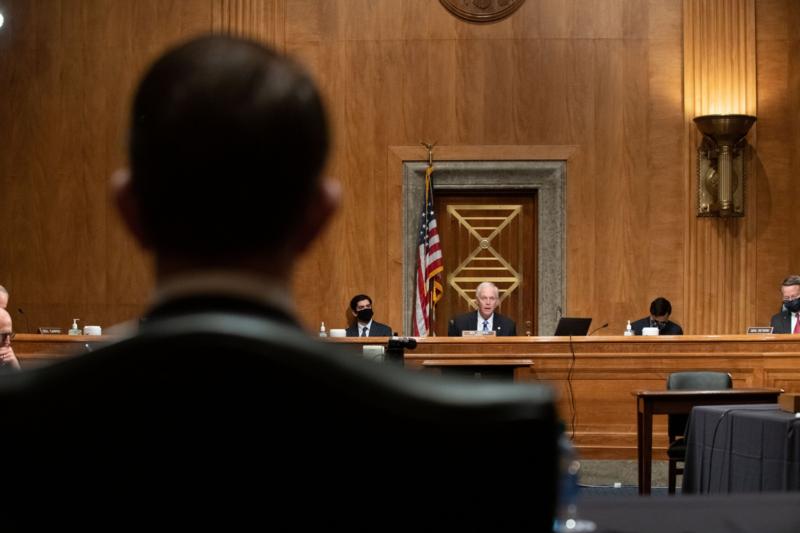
(23, 315)
(595, 330)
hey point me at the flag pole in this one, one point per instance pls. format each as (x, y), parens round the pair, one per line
(429, 187)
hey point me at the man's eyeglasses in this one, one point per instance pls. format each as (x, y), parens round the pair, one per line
(9, 336)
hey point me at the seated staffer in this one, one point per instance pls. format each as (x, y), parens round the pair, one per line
(787, 320)
(660, 309)
(487, 296)
(8, 361)
(364, 326)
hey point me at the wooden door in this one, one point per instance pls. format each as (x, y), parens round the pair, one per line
(488, 238)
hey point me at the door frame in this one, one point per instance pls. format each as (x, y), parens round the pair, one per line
(493, 168)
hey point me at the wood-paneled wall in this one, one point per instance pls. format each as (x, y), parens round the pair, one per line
(610, 77)
(719, 77)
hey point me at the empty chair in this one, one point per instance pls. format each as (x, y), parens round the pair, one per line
(676, 425)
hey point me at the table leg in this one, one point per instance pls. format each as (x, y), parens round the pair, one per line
(639, 450)
(647, 449)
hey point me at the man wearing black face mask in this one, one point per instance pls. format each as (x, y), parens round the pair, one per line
(364, 326)
(660, 309)
(787, 320)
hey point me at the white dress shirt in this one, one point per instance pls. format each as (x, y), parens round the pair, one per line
(361, 327)
(489, 325)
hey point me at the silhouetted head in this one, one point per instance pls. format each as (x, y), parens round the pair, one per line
(227, 141)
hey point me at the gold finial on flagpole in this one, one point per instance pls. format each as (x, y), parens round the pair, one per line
(429, 147)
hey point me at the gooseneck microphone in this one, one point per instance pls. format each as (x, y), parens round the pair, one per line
(23, 315)
(595, 330)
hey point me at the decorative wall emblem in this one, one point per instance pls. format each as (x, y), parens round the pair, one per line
(482, 10)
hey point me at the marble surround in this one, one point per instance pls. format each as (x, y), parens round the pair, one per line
(546, 178)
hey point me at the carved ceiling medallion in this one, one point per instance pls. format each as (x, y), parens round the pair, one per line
(481, 10)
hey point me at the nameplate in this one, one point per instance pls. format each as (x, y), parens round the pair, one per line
(759, 330)
(478, 333)
(789, 402)
(373, 351)
(50, 331)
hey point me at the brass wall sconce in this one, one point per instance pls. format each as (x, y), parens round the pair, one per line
(721, 164)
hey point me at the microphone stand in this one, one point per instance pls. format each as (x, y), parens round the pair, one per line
(22, 313)
(595, 330)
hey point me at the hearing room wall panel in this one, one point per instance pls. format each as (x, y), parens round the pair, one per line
(549, 75)
(67, 69)
(720, 77)
(778, 144)
(603, 76)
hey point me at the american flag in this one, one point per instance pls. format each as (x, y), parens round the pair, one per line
(429, 288)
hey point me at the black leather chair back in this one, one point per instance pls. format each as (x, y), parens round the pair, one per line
(220, 419)
(698, 380)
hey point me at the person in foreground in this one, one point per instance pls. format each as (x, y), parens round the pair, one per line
(220, 411)
(788, 319)
(364, 325)
(660, 310)
(487, 298)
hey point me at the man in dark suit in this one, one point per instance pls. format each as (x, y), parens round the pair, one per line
(363, 325)
(487, 297)
(220, 411)
(660, 309)
(787, 320)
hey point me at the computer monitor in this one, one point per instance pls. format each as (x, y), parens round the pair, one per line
(572, 326)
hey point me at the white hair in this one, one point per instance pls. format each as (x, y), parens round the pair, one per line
(489, 285)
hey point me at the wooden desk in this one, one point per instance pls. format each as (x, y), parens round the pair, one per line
(674, 402)
(35, 349)
(602, 373)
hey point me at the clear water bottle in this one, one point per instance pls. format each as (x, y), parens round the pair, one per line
(628, 330)
(567, 519)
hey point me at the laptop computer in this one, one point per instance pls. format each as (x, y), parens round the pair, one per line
(572, 326)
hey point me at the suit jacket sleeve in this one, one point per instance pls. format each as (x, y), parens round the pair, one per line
(461, 323)
(778, 323)
(509, 327)
(380, 330)
(674, 329)
(637, 325)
